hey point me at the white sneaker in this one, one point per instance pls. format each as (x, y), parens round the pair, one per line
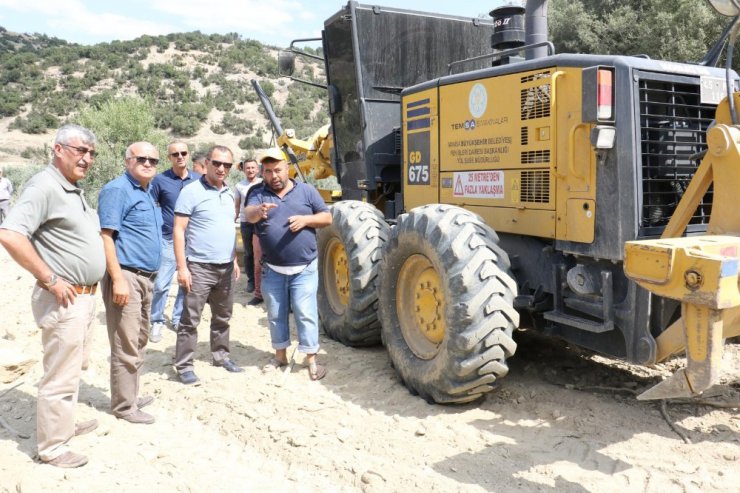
(155, 334)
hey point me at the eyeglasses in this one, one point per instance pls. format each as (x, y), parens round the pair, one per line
(218, 164)
(81, 150)
(144, 159)
(179, 154)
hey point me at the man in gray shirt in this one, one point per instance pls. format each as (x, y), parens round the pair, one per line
(54, 234)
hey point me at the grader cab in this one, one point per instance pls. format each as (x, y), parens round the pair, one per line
(489, 184)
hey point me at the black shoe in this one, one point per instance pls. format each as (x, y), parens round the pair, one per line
(188, 377)
(250, 286)
(255, 301)
(229, 365)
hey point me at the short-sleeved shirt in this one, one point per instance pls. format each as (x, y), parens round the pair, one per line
(6, 189)
(280, 246)
(128, 209)
(165, 188)
(210, 236)
(242, 189)
(54, 215)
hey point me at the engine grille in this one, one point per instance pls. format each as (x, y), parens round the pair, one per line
(673, 125)
(535, 186)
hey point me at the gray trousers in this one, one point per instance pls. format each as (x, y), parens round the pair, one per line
(128, 333)
(212, 284)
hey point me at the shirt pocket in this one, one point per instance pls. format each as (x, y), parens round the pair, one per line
(141, 217)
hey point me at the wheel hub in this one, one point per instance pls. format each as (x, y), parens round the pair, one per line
(421, 306)
(337, 276)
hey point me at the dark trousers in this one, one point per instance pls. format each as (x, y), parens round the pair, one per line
(212, 284)
(247, 230)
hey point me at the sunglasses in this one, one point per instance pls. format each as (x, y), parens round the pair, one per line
(218, 164)
(144, 159)
(179, 154)
(81, 150)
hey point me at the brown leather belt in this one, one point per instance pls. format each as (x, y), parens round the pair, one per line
(80, 289)
(85, 289)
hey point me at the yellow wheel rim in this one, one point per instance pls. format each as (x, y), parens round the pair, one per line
(421, 306)
(336, 275)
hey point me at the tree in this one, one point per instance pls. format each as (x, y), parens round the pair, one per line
(677, 30)
(117, 124)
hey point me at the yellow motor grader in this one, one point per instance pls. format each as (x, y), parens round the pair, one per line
(490, 184)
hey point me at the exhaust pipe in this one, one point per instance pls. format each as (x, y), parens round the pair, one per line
(536, 27)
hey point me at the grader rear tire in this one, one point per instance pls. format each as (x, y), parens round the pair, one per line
(349, 258)
(446, 304)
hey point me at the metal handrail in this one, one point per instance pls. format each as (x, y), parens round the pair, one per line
(511, 51)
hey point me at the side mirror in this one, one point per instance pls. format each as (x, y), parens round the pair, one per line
(730, 8)
(286, 63)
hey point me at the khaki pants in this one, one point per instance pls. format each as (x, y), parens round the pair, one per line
(66, 336)
(128, 333)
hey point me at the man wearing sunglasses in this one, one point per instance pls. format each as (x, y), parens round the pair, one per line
(165, 189)
(205, 245)
(54, 234)
(132, 232)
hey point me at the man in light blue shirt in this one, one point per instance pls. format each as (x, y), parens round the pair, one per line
(205, 240)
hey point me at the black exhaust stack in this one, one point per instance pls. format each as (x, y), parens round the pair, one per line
(536, 27)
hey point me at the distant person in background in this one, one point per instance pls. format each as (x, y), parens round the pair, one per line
(199, 163)
(131, 225)
(165, 190)
(251, 178)
(6, 191)
(205, 247)
(54, 234)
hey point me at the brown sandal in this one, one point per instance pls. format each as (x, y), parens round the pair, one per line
(273, 364)
(316, 372)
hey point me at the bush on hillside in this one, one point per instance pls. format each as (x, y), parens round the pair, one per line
(117, 124)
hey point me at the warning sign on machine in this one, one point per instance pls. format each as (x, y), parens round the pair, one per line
(479, 184)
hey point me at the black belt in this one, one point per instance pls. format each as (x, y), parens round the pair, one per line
(149, 275)
(208, 264)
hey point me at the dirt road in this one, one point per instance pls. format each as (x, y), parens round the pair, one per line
(556, 423)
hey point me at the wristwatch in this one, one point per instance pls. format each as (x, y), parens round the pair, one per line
(52, 281)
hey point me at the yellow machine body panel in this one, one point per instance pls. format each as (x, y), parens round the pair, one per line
(511, 148)
(420, 123)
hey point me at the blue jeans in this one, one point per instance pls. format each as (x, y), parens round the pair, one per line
(298, 292)
(247, 231)
(167, 271)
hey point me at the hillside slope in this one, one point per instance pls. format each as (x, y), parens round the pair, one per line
(199, 87)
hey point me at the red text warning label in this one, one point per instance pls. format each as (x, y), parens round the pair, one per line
(479, 184)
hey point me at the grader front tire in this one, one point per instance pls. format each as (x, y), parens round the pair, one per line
(446, 304)
(349, 258)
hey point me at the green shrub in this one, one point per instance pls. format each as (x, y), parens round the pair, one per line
(251, 143)
(117, 124)
(37, 154)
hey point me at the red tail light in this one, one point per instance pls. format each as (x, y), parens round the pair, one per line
(605, 95)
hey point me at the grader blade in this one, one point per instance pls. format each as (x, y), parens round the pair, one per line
(704, 344)
(702, 273)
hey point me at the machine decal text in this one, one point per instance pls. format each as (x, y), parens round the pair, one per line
(479, 184)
